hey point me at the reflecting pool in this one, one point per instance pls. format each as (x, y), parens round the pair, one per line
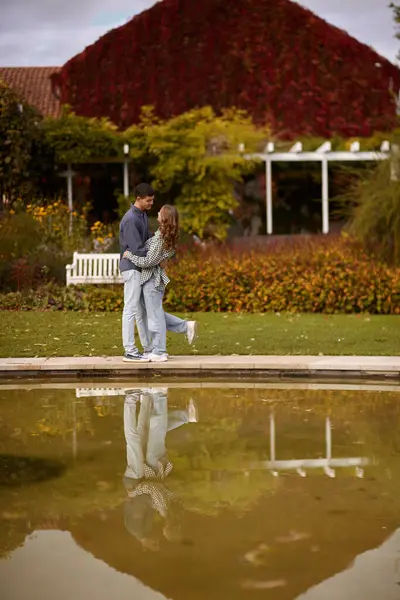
(189, 492)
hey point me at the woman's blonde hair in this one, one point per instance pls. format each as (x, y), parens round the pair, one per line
(169, 226)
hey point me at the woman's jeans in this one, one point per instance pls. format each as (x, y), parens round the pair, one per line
(158, 320)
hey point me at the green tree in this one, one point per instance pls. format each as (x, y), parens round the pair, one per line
(194, 158)
(76, 139)
(19, 140)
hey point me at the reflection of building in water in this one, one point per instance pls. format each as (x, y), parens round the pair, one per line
(373, 574)
(328, 464)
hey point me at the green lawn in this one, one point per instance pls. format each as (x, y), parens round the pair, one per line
(81, 334)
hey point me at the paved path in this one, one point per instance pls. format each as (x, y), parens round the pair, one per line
(338, 366)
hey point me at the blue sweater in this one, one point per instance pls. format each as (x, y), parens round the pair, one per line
(133, 234)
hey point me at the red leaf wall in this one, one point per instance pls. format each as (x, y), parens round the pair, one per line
(272, 58)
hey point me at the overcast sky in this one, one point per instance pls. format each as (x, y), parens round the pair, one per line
(49, 32)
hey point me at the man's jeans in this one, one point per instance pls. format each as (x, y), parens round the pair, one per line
(145, 433)
(159, 321)
(134, 310)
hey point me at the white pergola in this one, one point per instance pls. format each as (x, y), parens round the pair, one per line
(328, 464)
(323, 155)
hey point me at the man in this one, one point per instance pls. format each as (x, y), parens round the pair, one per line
(133, 234)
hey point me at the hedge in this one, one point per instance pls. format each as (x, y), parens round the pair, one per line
(317, 277)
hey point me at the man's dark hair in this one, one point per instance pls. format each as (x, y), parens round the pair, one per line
(143, 190)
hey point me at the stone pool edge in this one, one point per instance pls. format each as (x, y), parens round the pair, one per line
(238, 366)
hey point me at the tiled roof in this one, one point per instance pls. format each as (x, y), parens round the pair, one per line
(34, 86)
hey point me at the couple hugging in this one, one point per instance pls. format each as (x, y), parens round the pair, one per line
(142, 258)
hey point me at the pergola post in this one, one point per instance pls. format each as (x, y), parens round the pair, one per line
(272, 438)
(126, 170)
(269, 150)
(70, 174)
(126, 180)
(328, 438)
(325, 196)
(328, 442)
(74, 433)
(268, 183)
(326, 147)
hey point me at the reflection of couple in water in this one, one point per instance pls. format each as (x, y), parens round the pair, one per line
(146, 423)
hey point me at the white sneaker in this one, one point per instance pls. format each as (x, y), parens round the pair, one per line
(193, 412)
(146, 355)
(158, 357)
(191, 331)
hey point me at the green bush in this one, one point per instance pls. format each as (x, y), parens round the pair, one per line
(372, 205)
(316, 277)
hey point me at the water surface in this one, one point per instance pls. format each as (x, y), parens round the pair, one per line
(192, 493)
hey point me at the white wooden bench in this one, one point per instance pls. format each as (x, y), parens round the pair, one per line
(94, 268)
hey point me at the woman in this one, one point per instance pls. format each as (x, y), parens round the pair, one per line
(154, 279)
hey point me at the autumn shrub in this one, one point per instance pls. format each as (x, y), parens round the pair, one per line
(316, 276)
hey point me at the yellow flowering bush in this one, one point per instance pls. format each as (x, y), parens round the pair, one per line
(102, 236)
(67, 231)
(39, 239)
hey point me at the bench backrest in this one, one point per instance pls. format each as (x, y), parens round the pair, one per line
(94, 268)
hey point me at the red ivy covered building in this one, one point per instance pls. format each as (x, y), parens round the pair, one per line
(273, 58)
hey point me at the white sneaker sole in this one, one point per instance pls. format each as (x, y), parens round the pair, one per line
(192, 338)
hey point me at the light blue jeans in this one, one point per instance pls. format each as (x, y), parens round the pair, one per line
(159, 321)
(134, 311)
(145, 433)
